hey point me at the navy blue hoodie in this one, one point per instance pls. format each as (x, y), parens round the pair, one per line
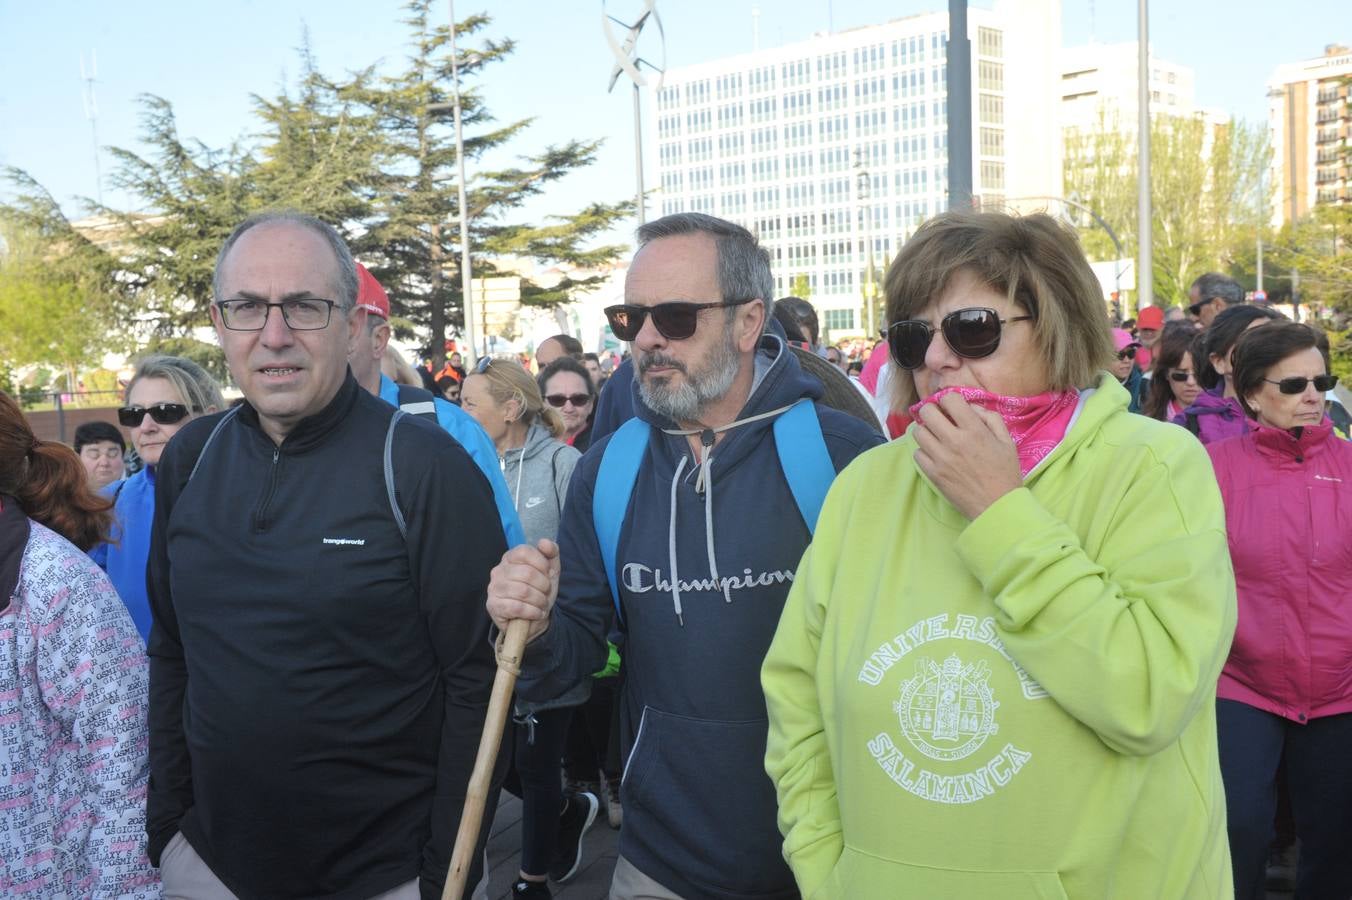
(699, 810)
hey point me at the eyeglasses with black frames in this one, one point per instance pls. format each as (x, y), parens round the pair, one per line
(300, 314)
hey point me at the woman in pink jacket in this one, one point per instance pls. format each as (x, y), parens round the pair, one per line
(1286, 690)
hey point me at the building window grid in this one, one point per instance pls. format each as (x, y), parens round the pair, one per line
(990, 75)
(730, 116)
(992, 141)
(795, 73)
(990, 42)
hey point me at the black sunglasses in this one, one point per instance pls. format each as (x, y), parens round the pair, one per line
(675, 320)
(1196, 308)
(1126, 353)
(1296, 385)
(162, 413)
(558, 400)
(1181, 376)
(971, 333)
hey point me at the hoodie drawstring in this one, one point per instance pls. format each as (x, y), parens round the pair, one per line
(704, 484)
(671, 546)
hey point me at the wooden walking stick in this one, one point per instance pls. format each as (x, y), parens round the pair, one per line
(510, 651)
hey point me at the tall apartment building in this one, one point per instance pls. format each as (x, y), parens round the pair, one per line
(834, 149)
(1099, 84)
(1310, 117)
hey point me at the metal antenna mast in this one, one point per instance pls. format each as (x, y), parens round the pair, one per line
(91, 111)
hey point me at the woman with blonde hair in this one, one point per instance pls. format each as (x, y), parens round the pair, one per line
(164, 394)
(503, 397)
(993, 675)
(73, 686)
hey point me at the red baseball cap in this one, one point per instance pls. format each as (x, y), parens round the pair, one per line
(370, 295)
(1151, 317)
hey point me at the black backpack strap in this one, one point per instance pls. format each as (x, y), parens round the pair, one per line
(211, 437)
(417, 402)
(1191, 423)
(389, 473)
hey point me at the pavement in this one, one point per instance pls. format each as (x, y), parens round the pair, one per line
(592, 882)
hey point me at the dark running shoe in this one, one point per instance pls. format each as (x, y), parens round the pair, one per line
(579, 812)
(532, 890)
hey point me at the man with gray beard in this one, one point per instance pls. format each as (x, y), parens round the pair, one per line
(705, 555)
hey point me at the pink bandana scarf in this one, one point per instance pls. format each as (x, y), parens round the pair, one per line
(1037, 424)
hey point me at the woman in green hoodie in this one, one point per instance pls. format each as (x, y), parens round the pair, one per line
(995, 673)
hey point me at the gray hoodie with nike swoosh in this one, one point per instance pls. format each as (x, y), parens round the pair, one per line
(537, 476)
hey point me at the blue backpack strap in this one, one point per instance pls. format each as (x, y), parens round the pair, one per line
(610, 499)
(804, 459)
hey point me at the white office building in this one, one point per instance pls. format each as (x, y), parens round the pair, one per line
(1099, 85)
(827, 146)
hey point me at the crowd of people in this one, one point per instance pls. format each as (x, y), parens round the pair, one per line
(1023, 603)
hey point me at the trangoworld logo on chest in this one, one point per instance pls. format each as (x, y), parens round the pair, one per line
(947, 712)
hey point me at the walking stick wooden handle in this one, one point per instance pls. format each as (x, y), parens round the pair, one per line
(476, 796)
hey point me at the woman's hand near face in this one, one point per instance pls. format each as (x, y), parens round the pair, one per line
(967, 452)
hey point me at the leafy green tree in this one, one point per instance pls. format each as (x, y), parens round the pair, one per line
(1205, 192)
(801, 286)
(371, 153)
(413, 234)
(54, 308)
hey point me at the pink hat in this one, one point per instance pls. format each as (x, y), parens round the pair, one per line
(1151, 317)
(370, 295)
(1123, 339)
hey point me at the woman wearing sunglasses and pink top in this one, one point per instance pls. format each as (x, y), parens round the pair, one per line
(993, 674)
(1286, 691)
(164, 394)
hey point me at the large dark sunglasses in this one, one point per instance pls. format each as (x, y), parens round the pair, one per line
(1322, 383)
(1126, 353)
(971, 333)
(1181, 375)
(675, 320)
(578, 400)
(162, 413)
(1196, 308)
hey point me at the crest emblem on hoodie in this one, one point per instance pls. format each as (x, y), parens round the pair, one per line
(947, 711)
(946, 708)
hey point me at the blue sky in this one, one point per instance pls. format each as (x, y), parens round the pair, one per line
(207, 58)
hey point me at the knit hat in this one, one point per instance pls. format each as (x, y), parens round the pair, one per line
(370, 295)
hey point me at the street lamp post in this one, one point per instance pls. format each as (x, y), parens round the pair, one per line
(864, 193)
(466, 277)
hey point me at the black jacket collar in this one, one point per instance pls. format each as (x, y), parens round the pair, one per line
(313, 431)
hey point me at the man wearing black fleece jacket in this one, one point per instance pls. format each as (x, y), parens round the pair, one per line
(319, 679)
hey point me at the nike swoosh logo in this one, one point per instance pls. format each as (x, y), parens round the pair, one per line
(534, 502)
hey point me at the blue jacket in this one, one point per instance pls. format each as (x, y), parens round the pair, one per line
(699, 809)
(471, 435)
(124, 557)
